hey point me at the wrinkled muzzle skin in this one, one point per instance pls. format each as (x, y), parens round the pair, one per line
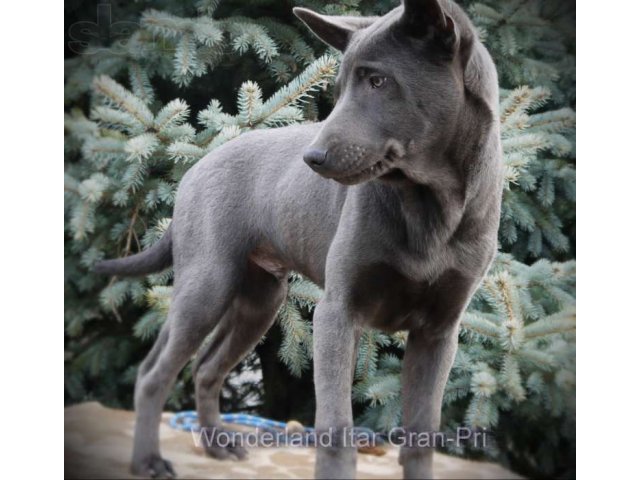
(393, 101)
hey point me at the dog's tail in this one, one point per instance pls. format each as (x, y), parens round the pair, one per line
(154, 259)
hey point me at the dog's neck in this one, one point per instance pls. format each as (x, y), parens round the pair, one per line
(433, 207)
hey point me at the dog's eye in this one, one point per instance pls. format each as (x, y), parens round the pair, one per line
(377, 81)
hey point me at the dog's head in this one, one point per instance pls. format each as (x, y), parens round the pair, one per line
(399, 91)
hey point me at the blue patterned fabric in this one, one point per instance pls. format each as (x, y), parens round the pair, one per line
(188, 421)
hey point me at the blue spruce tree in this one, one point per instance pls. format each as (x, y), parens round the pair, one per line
(141, 110)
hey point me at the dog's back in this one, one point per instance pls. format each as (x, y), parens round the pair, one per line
(257, 191)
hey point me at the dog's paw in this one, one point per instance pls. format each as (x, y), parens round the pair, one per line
(224, 444)
(230, 451)
(153, 467)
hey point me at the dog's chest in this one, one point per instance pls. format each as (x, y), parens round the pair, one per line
(385, 299)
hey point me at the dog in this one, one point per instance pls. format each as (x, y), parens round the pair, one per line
(391, 204)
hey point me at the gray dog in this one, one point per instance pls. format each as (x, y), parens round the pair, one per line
(394, 211)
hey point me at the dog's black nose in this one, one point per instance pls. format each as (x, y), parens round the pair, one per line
(314, 157)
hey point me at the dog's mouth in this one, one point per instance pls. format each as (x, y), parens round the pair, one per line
(384, 169)
(374, 171)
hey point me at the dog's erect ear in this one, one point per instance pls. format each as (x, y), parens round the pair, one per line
(426, 19)
(335, 31)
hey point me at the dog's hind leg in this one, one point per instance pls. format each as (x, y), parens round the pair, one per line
(197, 305)
(251, 314)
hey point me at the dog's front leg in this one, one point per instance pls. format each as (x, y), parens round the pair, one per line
(334, 340)
(427, 362)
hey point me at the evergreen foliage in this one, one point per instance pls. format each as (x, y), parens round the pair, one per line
(188, 78)
(540, 175)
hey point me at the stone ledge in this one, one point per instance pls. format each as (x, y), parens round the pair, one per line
(98, 443)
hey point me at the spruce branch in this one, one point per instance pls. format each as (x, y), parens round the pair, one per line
(184, 152)
(122, 98)
(164, 24)
(207, 7)
(295, 350)
(561, 322)
(140, 83)
(172, 114)
(141, 147)
(249, 103)
(314, 77)
(131, 233)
